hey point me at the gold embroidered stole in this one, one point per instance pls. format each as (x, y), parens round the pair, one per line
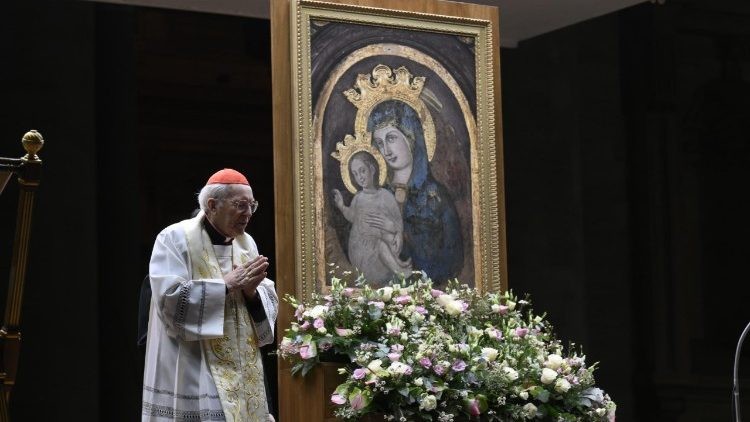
(234, 359)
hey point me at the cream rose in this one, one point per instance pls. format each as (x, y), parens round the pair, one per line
(548, 375)
(428, 402)
(562, 385)
(510, 373)
(489, 353)
(554, 361)
(386, 293)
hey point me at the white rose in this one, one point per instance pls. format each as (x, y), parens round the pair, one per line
(386, 293)
(419, 381)
(444, 300)
(454, 308)
(489, 353)
(510, 304)
(554, 361)
(601, 411)
(316, 312)
(322, 330)
(548, 375)
(523, 395)
(510, 373)
(428, 403)
(375, 366)
(530, 409)
(496, 308)
(562, 385)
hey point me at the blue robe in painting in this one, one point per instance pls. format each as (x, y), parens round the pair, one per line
(432, 231)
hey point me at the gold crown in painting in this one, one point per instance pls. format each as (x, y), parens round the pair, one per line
(385, 84)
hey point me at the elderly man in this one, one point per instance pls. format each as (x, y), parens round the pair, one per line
(211, 310)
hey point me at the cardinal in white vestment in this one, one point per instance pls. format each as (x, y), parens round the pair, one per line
(212, 308)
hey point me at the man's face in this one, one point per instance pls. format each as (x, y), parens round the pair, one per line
(227, 215)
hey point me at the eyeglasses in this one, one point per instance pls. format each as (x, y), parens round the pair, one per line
(244, 206)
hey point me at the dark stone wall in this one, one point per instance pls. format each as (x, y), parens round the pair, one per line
(567, 192)
(139, 107)
(49, 83)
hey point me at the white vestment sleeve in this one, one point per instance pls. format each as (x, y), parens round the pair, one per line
(265, 329)
(189, 309)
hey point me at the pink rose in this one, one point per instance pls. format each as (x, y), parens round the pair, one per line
(318, 323)
(305, 352)
(359, 373)
(379, 305)
(402, 300)
(393, 356)
(521, 332)
(425, 362)
(458, 365)
(305, 325)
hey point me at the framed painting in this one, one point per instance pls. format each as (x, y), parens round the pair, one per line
(395, 147)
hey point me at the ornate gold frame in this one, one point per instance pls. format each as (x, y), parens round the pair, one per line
(307, 180)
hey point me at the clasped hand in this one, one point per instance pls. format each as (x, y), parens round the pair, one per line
(247, 277)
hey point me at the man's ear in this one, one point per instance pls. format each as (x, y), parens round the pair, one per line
(212, 204)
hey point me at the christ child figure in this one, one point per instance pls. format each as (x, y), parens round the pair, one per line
(376, 236)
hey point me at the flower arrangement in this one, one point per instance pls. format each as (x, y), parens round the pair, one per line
(416, 353)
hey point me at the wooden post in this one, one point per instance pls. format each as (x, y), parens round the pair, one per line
(28, 170)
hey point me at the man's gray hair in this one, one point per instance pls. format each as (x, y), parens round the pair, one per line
(218, 191)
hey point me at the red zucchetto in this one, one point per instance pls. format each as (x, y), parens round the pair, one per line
(228, 177)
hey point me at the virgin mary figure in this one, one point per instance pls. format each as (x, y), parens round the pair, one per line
(431, 229)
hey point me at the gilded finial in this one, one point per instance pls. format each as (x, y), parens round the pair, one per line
(32, 142)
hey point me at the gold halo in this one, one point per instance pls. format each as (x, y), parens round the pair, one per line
(352, 145)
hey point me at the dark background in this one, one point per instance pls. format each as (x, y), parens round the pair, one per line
(627, 156)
